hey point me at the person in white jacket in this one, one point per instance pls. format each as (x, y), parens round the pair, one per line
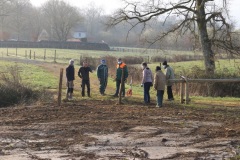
(147, 82)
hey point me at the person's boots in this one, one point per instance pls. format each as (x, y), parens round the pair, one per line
(70, 96)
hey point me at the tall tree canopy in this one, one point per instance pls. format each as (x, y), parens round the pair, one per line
(207, 20)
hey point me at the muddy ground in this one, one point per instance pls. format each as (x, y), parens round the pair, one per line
(87, 129)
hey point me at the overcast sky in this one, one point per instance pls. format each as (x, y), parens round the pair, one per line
(111, 5)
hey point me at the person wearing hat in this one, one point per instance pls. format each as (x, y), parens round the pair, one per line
(70, 74)
(83, 73)
(121, 67)
(159, 85)
(102, 74)
(169, 75)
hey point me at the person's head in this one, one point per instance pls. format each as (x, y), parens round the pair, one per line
(71, 62)
(144, 65)
(85, 64)
(119, 61)
(165, 64)
(158, 68)
(103, 61)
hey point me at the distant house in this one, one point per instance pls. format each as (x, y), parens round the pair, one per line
(81, 35)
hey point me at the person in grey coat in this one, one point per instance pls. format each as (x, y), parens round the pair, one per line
(159, 85)
(169, 75)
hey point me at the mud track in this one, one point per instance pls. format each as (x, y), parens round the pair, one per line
(89, 129)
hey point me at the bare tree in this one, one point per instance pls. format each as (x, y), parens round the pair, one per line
(61, 18)
(5, 9)
(196, 16)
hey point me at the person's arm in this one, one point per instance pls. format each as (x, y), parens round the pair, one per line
(155, 81)
(144, 76)
(79, 73)
(90, 70)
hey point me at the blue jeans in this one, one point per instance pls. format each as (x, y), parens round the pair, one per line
(146, 88)
(160, 94)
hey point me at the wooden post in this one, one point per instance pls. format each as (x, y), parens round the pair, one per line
(186, 93)
(60, 87)
(55, 56)
(181, 92)
(121, 87)
(30, 55)
(44, 57)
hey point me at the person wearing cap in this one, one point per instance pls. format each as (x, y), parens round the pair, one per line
(169, 75)
(70, 74)
(159, 85)
(102, 74)
(83, 73)
(121, 67)
(147, 82)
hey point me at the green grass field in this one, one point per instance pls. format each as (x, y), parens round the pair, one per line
(41, 77)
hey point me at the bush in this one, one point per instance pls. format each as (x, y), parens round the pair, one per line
(13, 91)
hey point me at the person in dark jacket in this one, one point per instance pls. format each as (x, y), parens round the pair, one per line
(102, 74)
(83, 73)
(70, 74)
(121, 66)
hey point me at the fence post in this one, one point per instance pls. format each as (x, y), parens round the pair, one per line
(121, 87)
(30, 55)
(60, 87)
(181, 92)
(55, 56)
(44, 57)
(186, 92)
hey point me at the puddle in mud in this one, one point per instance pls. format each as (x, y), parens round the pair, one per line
(139, 142)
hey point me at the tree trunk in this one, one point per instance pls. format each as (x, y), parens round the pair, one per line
(204, 39)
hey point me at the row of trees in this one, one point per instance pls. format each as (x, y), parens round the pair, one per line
(19, 20)
(167, 24)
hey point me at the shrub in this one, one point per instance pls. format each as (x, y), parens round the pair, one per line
(13, 91)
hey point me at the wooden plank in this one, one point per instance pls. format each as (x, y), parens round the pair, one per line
(206, 80)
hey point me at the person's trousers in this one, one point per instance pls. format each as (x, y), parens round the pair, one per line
(169, 92)
(70, 86)
(160, 94)
(103, 85)
(146, 88)
(85, 83)
(118, 83)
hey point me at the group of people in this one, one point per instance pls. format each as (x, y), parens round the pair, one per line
(158, 81)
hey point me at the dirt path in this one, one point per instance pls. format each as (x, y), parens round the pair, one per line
(102, 130)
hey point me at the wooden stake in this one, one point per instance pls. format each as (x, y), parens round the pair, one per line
(60, 87)
(121, 87)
